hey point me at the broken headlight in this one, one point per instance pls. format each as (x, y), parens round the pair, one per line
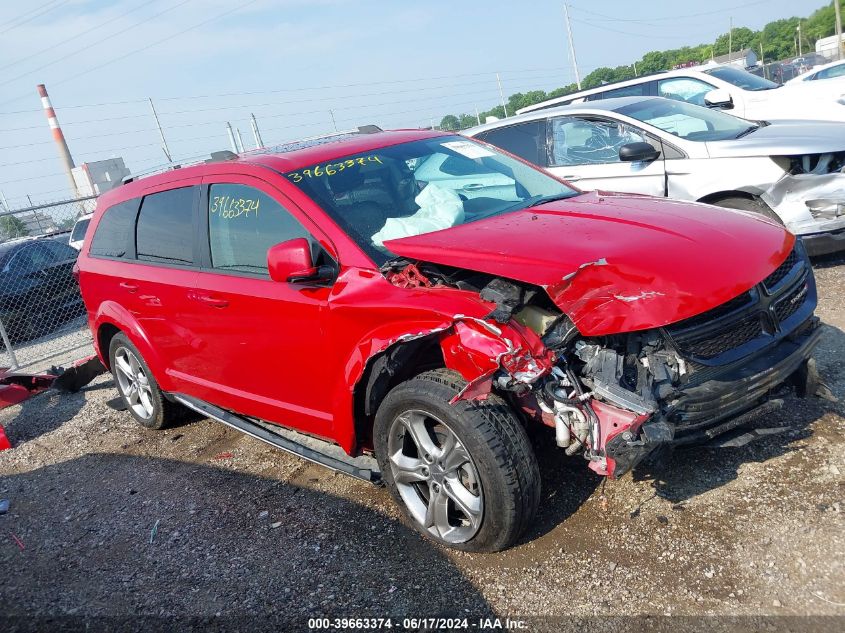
(826, 209)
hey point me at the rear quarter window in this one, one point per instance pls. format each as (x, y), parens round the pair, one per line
(165, 227)
(115, 231)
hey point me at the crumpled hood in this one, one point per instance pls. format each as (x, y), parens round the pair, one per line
(616, 262)
(784, 138)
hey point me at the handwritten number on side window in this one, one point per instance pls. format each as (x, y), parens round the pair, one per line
(229, 208)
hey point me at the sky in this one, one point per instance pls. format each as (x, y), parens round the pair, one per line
(302, 67)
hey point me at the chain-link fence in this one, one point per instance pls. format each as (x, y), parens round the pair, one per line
(42, 317)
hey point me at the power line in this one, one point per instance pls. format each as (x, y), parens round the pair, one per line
(281, 90)
(259, 105)
(37, 15)
(148, 46)
(76, 36)
(607, 28)
(93, 44)
(671, 18)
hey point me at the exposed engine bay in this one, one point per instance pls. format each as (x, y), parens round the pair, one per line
(616, 399)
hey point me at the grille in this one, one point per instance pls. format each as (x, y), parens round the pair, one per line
(781, 271)
(719, 311)
(789, 305)
(730, 337)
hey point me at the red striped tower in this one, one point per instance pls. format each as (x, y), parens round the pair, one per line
(58, 136)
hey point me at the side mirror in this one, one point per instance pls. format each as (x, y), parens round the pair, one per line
(719, 99)
(291, 261)
(637, 152)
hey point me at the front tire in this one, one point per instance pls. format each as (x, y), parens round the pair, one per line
(465, 475)
(137, 387)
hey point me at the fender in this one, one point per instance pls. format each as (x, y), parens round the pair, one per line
(112, 313)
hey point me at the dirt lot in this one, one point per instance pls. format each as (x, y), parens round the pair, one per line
(108, 519)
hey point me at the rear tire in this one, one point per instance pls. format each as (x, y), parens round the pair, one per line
(750, 204)
(137, 387)
(465, 475)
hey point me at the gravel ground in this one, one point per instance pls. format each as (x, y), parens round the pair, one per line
(109, 519)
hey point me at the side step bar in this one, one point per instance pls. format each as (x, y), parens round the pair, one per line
(267, 433)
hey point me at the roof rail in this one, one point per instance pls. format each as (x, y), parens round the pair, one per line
(224, 155)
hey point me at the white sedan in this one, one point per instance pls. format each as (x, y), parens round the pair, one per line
(833, 70)
(790, 171)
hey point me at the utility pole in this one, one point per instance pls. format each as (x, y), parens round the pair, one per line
(762, 59)
(798, 28)
(635, 70)
(731, 40)
(840, 49)
(334, 123)
(164, 147)
(572, 46)
(502, 95)
(255, 133)
(239, 139)
(477, 116)
(231, 137)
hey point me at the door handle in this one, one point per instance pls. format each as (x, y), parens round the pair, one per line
(130, 287)
(571, 178)
(214, 302)
(472, 187)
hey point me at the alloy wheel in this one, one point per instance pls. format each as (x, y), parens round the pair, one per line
(436, 477)
(133, 382)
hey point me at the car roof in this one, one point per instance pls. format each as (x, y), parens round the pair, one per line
(282, 158)
(589, 107)
(695, 71)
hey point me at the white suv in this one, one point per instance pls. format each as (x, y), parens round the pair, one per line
(725, 87)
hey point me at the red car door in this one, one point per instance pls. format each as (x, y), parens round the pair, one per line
(260, 346)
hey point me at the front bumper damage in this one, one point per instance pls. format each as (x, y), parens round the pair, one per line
(617, 399)
(812, 204)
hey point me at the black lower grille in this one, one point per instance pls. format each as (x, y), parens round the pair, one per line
(730, 337)
(750, 321)
(781, 271)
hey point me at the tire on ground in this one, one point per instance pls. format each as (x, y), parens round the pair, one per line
(496, 442)
(165, 412)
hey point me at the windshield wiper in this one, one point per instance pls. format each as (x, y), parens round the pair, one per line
(747, 131)
(544, 199)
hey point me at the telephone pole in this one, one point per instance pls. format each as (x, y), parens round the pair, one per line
(839, 46)
(731, 40)
(164, 147)
(572, 45)
(502, 95)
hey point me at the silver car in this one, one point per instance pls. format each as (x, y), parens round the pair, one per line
(790, 171)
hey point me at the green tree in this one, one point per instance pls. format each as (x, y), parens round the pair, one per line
(450, 122)
(11, 227)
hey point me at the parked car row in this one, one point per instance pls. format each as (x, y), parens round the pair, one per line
(38, 292)
(725, 87)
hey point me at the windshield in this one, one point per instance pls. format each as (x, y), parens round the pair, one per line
(688, 121)
(421, 187)
(741, 78)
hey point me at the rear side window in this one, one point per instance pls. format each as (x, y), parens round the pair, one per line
(79, 229)
(61, 252)
(243, 223)
(115, 230)
(165, 227)
(526, 140)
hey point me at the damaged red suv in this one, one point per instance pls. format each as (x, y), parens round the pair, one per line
(423, 298)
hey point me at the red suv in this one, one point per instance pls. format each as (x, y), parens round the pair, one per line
(424, 298)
